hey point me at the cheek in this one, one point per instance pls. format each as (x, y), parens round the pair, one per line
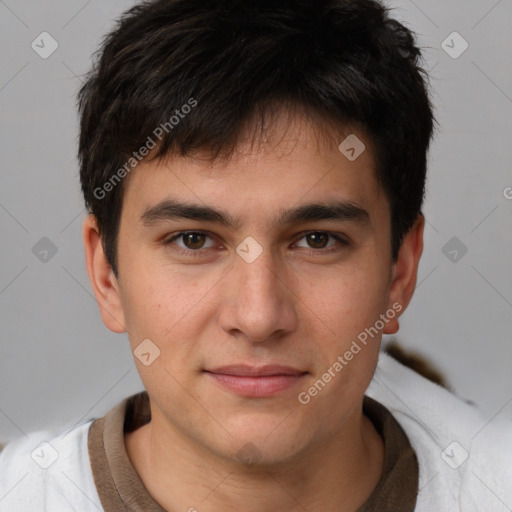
(165, 305)
(347, 352)
(349, 298)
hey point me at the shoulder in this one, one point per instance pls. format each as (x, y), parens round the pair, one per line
(464, 458)
(48, 470)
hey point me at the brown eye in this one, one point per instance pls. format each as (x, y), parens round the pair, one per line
(193, 240)
(317, 240)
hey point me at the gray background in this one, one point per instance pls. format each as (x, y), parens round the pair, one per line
(60, 365)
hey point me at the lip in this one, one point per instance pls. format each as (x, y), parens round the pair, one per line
(244, 370)
(256, 381)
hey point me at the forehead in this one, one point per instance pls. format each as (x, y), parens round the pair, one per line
(294, 162)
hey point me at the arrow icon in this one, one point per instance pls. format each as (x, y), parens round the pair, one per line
(454, 249)
(146, 352)
(249, 249)
(44, 45)
(454, 455)
(454, 45)
(352, 147)
(44, 250)
(44, 455)
(249, 454)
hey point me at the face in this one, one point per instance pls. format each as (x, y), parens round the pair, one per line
(253, 276)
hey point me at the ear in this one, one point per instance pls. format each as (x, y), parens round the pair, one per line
(405, 272)
(101, 275)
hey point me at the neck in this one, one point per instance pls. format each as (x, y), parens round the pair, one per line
(338, 473)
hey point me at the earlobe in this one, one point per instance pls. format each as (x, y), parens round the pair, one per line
(405, 272)
(103, 280)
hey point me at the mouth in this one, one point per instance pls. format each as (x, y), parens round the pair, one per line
(253, 381)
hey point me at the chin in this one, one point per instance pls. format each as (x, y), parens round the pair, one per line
(266, 443)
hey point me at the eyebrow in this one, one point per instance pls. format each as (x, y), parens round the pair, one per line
(170, 209)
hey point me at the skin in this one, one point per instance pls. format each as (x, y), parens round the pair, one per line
(295, 304)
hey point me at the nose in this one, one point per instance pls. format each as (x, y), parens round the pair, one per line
(259, 303)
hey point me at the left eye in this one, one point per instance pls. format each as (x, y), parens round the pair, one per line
(319, 239)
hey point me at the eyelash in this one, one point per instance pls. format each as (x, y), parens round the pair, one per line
(200, 252)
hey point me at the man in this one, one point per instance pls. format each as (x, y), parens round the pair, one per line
(254, 173)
